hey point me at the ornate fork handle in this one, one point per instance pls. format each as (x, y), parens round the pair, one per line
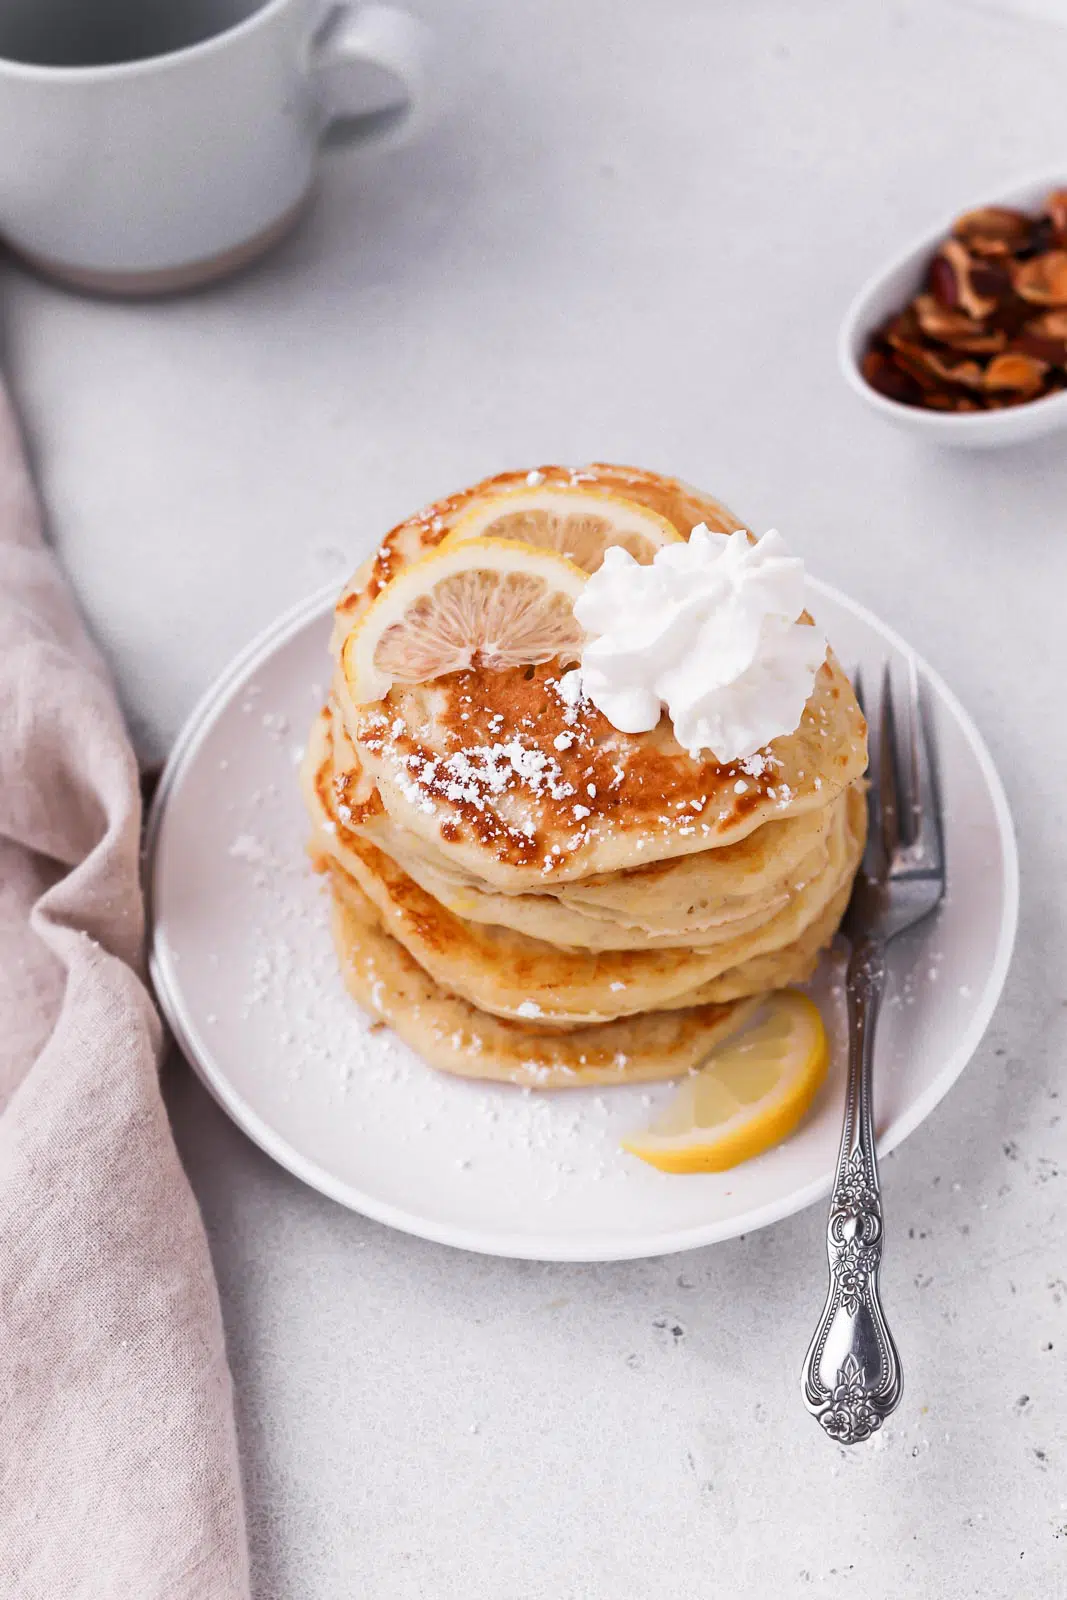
(852, 1377)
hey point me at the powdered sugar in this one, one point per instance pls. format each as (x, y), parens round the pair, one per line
(247, 848)
(477, 774)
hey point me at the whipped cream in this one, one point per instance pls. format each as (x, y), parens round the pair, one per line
(709, 633)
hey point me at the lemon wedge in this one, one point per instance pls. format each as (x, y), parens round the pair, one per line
(497, 601)
(750, 1094)
(579, 523)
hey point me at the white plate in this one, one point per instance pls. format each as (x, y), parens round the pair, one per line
(245, 972)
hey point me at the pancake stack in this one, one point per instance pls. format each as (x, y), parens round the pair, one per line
(524, 893)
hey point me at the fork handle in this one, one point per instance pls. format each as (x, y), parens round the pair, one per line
(852, 1378)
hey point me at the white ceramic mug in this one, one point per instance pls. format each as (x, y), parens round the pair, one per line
(151, 145)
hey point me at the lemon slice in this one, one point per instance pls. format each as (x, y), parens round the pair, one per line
(496, 601)
(579, 523)
(749, 1095)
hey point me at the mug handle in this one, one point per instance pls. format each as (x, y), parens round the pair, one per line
(370, 69)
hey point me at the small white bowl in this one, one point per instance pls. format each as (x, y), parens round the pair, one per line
(890, 289)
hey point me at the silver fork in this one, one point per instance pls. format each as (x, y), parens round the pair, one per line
(852, 1378)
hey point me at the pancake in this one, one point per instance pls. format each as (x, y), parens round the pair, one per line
(794, 963)
(448, 1033)
(512, 975)
(524, 893)
(521, 790)
(495, 991)
(690, 901)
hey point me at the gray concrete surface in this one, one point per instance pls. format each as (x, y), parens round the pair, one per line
(632, 236)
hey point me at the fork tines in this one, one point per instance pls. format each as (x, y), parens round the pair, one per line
(903, 802)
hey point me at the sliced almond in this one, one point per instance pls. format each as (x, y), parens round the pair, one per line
(1020, 374)
(1043, 280)
(965, 295)
(993, 230)
(1056, 211)
(956, 328)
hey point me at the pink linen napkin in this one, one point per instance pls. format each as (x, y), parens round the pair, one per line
(118, 1463)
